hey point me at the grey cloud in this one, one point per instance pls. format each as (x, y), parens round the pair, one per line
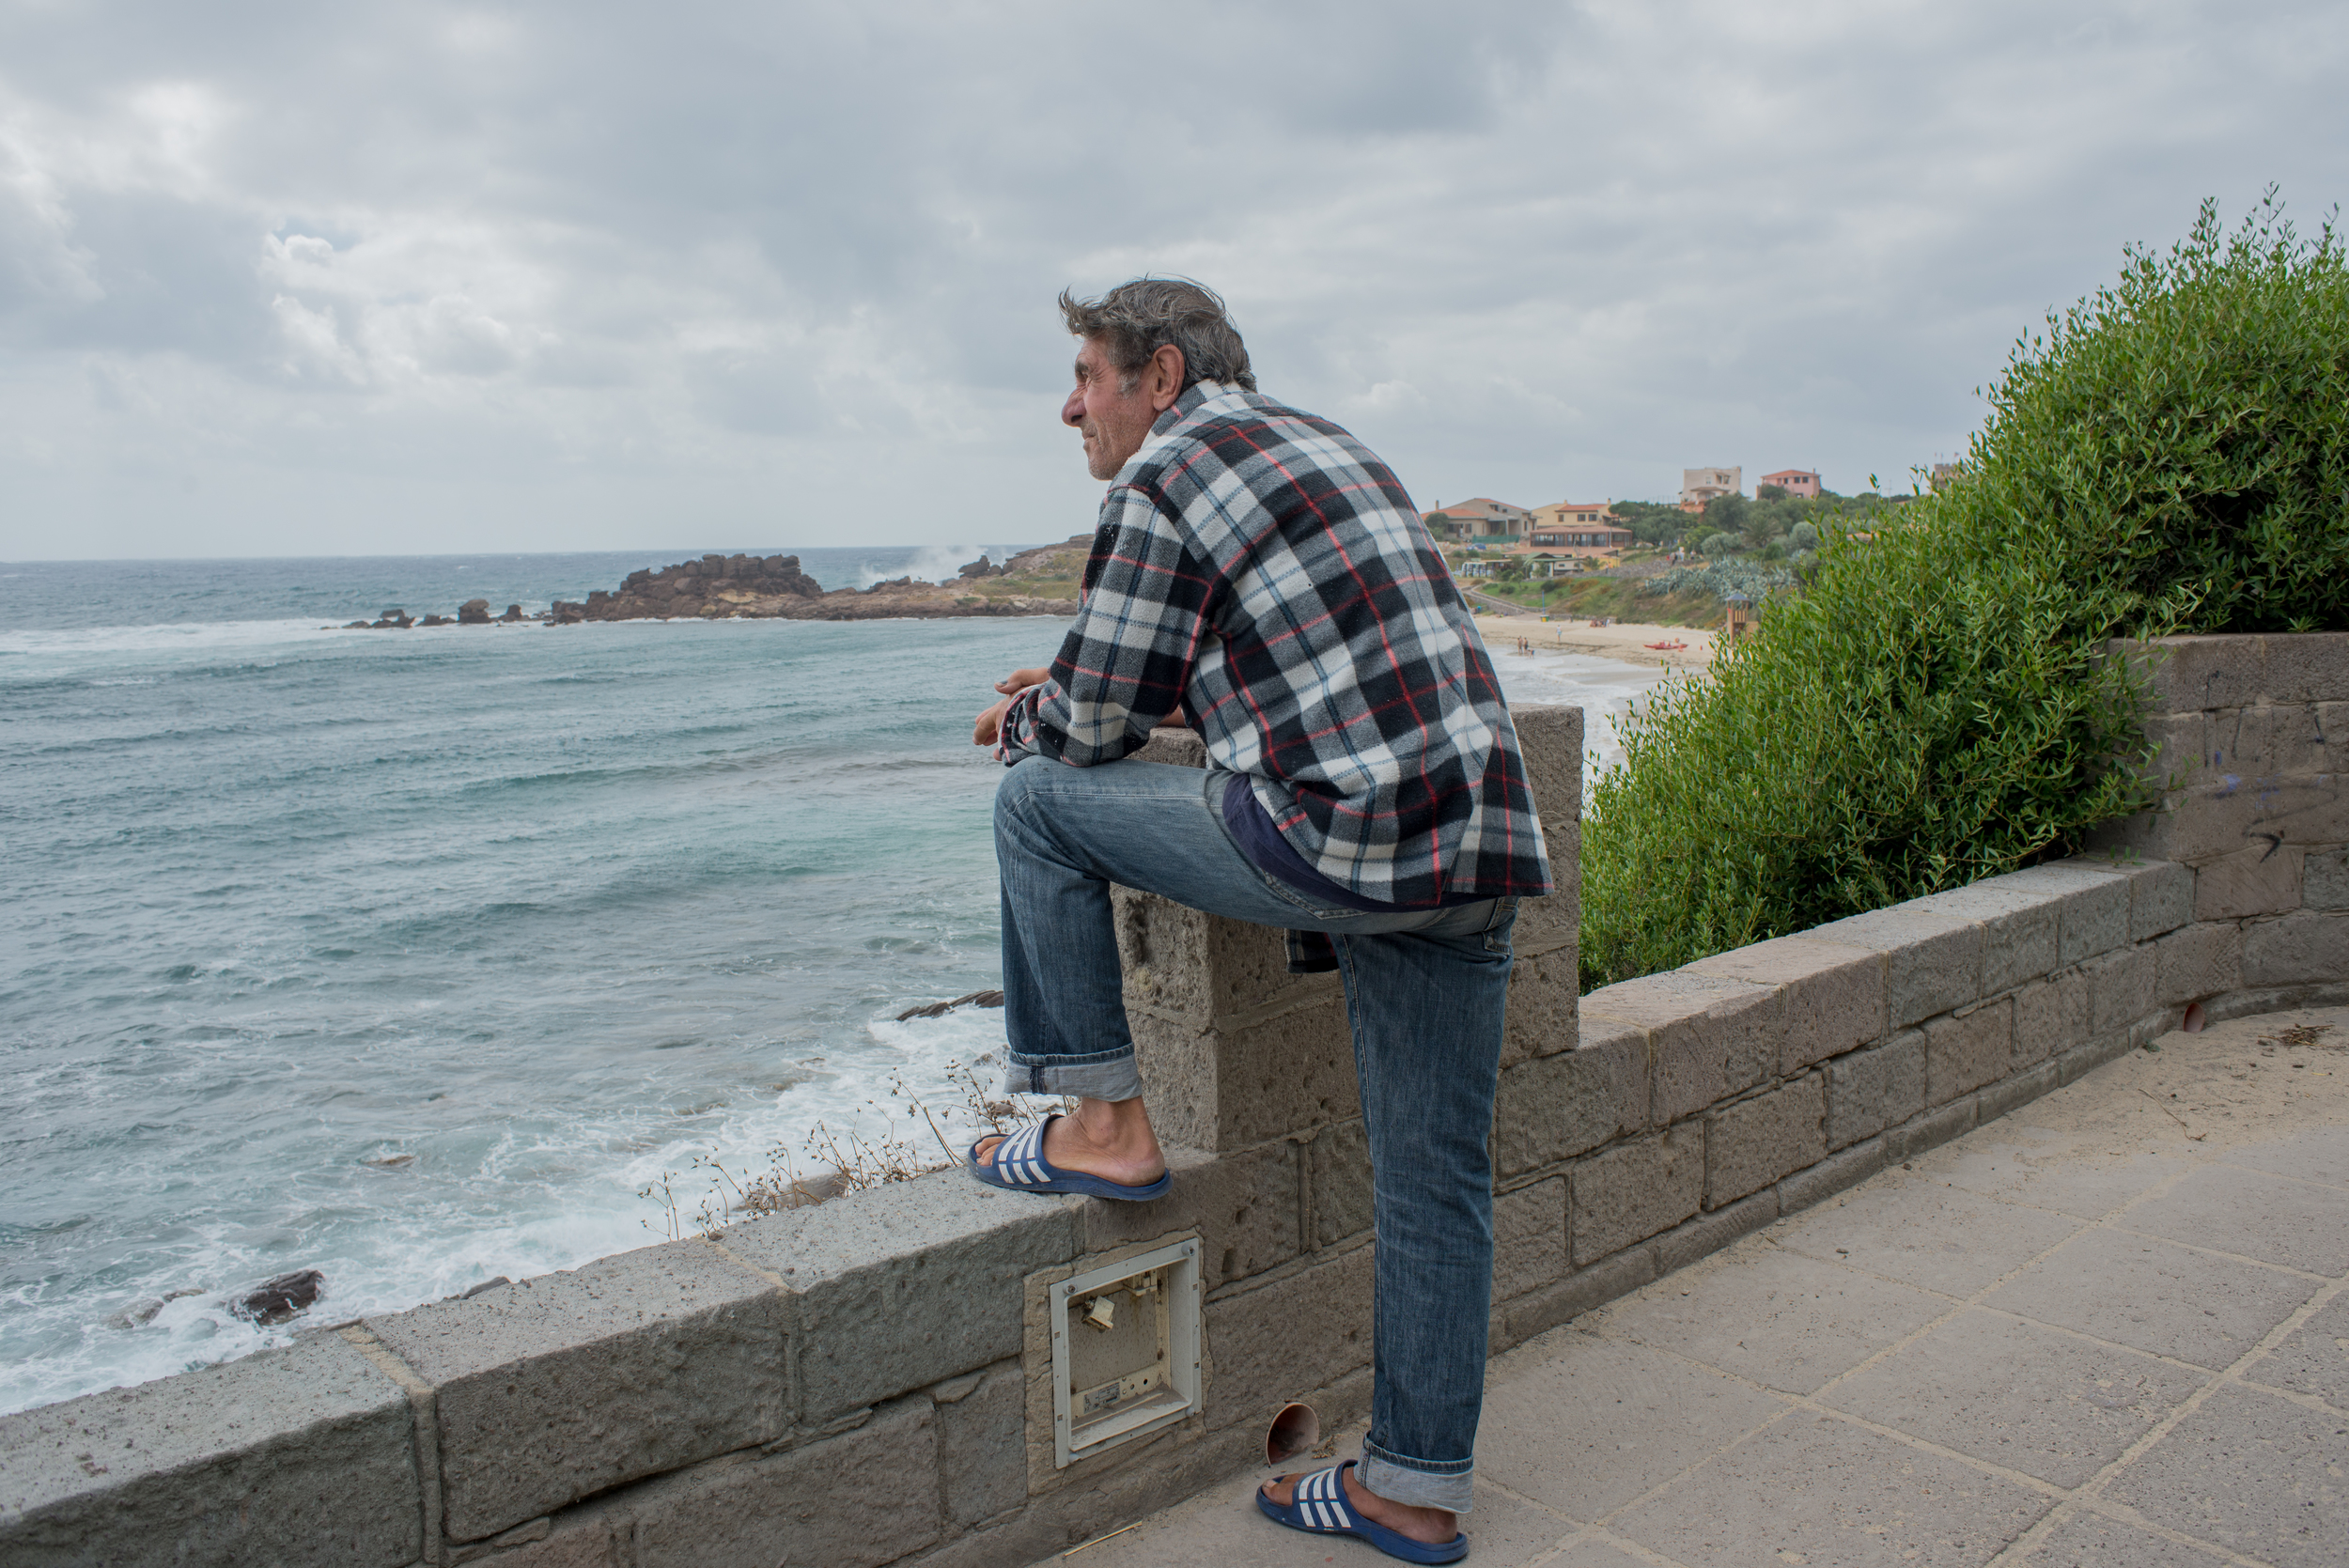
(725, 254)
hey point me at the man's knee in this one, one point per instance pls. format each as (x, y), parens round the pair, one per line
(1019, 782)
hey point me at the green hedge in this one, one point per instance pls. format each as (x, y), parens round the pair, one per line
(2171, 454)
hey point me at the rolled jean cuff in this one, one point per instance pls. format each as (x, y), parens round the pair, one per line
(1416, 1483)
(1114, 1076)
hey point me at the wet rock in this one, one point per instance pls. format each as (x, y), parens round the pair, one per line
(981, 568)
(939, 1009)
(513, 612)
(473, 611)
(286, 1296)
(140, 1314)
(438, 620)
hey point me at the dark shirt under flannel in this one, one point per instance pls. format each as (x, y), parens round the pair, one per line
(1260, 569)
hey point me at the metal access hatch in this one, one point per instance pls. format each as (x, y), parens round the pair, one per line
(1125, 1350)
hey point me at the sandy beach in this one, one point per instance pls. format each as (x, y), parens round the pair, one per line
(1624, 640)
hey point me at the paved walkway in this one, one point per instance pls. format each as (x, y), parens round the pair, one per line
(2108, 1329)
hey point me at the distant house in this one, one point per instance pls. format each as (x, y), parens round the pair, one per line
(1701, 484)
(1793, 481)
(1485, 518)
(1575, 528)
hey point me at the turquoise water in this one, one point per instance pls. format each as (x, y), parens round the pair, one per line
(413, 956)
(545, 911)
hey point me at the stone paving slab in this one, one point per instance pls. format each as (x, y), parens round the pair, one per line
(2111, 1328)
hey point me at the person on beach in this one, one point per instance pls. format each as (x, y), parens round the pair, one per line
(1258, 575)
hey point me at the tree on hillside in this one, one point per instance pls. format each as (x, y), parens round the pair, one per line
(1653, 522)
(1726, 514)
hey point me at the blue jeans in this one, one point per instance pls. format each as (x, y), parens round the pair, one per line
(1425, 992)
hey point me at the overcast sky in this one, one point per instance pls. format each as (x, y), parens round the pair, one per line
(302, 279)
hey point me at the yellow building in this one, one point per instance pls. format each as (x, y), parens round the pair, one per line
(1575, 528)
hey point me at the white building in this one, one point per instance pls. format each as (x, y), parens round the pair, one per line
(1701, 484)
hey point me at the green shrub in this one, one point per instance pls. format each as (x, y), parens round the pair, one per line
(1939, 705)
(2184, 435)
(1802, 536)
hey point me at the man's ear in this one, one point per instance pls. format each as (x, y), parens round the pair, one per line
(1165, 376)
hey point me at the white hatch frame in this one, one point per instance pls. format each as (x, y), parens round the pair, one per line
(1163, 1283)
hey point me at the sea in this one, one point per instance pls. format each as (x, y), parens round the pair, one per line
(422, 958)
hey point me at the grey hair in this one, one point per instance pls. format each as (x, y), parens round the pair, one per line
(1136, 320)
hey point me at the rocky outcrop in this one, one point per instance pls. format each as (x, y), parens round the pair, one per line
(774, 587)
(474, 612)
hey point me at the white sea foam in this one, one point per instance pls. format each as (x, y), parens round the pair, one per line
(930, 564)
(46, 651)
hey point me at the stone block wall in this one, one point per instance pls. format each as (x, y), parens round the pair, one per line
(2254, 748)
(866, 1382)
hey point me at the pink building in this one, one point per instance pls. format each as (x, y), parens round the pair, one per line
(1793, 481)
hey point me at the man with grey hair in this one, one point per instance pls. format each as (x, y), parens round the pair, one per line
(1260, 576)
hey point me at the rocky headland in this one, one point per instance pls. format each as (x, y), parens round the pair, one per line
(1040, 582)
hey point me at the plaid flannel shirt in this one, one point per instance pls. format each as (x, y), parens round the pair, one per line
(1258, 569)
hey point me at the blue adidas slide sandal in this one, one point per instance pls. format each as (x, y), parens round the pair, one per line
(1020, 1166)
(1318, 1507)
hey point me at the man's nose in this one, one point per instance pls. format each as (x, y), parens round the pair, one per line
(1073, 411)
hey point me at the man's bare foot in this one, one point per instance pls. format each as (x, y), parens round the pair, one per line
(1431, 1527)
(1109, 1139)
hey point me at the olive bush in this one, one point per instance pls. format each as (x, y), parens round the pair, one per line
(1718, 578)
(1940, 704)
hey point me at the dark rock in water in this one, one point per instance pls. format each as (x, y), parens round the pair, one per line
(939, 1009)
(473, 611)
(390, 618)
(288, 1296)
(438, 620)
(513, 612)
(568, 613)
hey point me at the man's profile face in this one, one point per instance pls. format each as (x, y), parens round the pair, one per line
(1114, 424)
